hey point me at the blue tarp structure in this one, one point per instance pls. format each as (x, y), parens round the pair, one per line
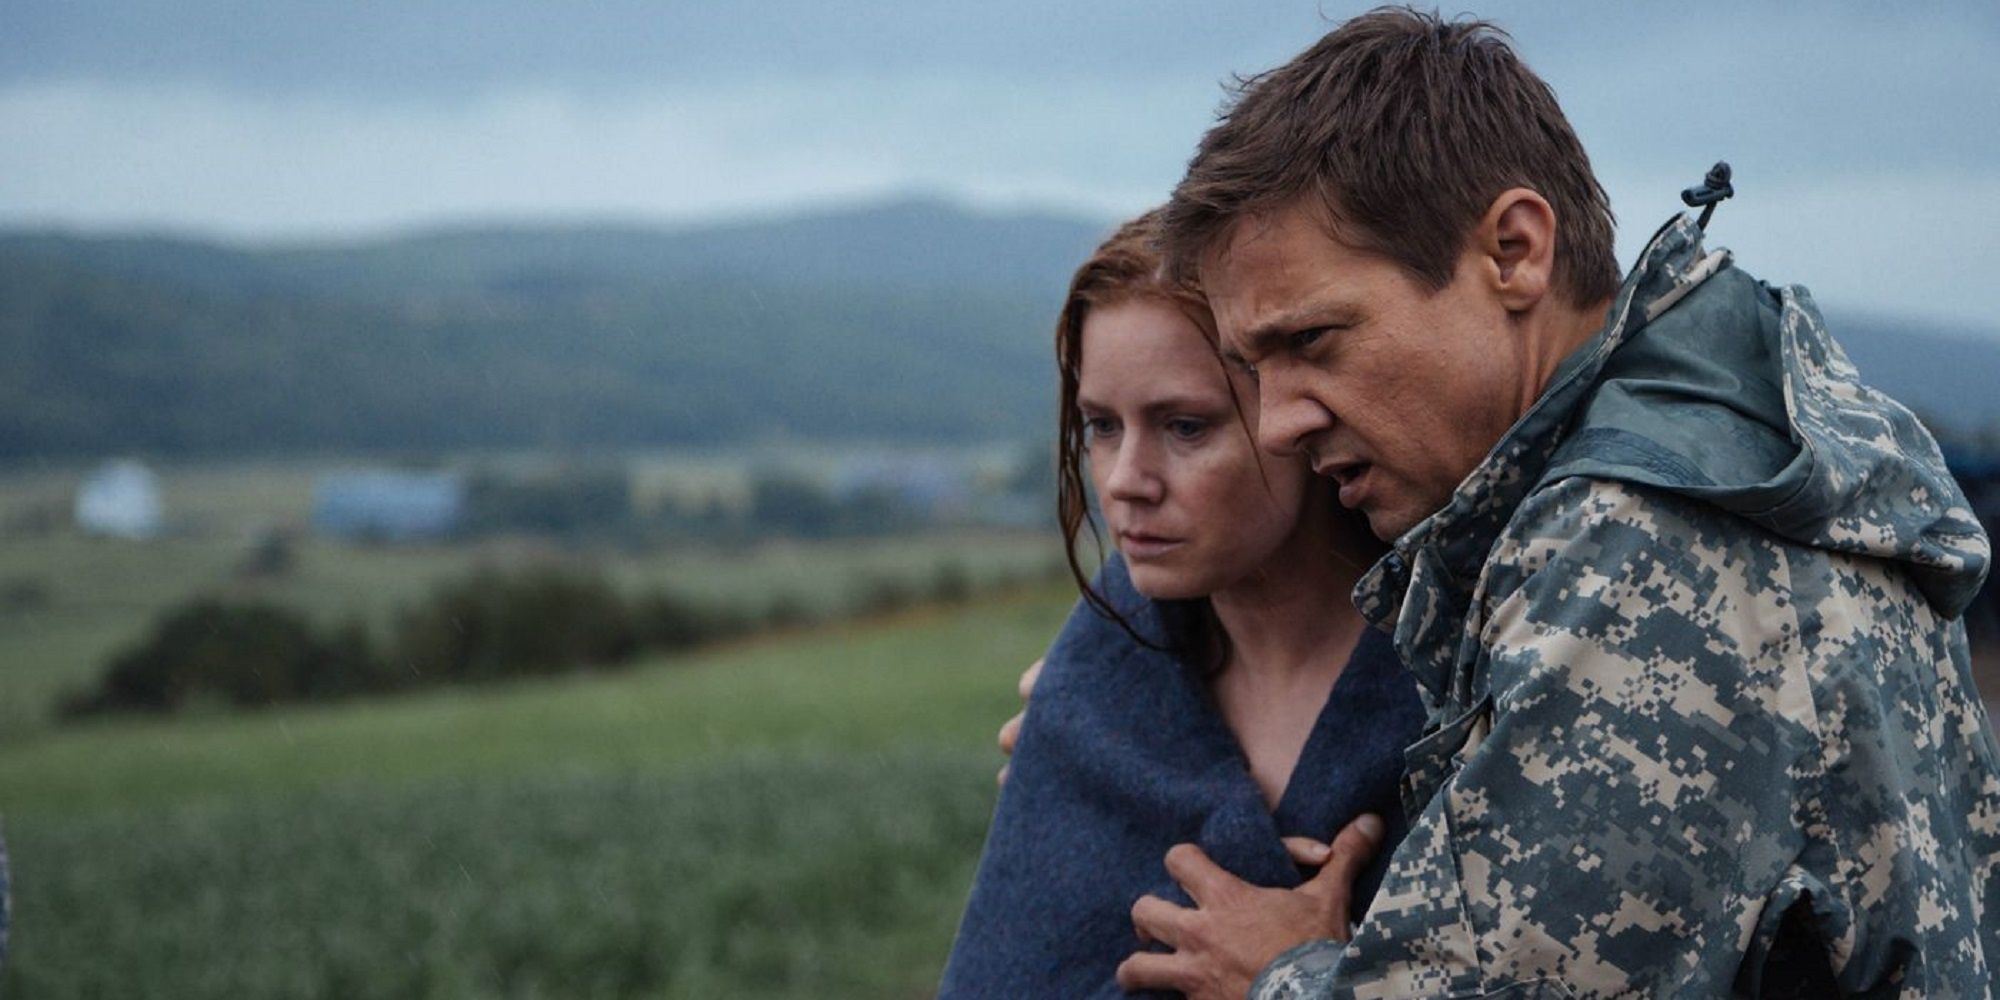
(387, 505)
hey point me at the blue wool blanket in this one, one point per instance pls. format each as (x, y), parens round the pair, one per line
(1123, 755)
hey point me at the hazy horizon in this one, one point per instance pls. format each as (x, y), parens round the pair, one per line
(1866, 142)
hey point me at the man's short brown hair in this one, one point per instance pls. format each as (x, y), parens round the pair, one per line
(1406, 126)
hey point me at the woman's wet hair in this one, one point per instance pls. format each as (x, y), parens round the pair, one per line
(1124, 268)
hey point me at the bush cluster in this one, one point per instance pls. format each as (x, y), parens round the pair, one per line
(580, 502)
(236, 654)
(490, 625)
(493, 625)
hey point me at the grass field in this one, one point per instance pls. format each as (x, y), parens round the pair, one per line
(784, 818)
(789, 816)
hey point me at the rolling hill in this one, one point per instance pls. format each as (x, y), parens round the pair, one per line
(912, 321)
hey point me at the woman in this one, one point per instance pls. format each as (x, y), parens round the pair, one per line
(1215, 685)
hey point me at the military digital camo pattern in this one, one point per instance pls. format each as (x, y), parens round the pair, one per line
(1689, 642)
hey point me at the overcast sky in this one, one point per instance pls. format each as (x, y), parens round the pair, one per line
(1866, 137)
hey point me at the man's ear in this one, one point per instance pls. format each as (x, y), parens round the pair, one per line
(1517, 238)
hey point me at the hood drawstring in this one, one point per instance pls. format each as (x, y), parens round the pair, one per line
(1711, 192)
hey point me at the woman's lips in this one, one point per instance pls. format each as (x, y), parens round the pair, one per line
(1138, 545)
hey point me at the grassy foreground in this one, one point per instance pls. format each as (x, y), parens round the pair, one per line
(789, 818)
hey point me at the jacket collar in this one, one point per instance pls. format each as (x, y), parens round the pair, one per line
(1420, 591)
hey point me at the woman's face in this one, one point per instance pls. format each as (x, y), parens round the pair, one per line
(1177, 474)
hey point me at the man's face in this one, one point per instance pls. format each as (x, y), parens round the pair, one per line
(1391, 390)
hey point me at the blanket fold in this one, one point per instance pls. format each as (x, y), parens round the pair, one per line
(1123, 754)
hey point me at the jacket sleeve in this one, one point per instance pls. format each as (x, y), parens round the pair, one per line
(1619, 805)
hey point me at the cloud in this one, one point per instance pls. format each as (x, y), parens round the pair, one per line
(1866, 139)
(119, 155)
(450, 49)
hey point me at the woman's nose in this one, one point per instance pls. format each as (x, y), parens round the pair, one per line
(1134, 473)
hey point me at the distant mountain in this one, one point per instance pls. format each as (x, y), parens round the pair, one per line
(911, 321)
(1950, 375)
(913, 244)
(905, 245)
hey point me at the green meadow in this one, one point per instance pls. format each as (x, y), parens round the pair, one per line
(795, 817)
(791, 815)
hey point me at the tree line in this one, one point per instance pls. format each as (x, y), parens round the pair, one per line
(491, 625)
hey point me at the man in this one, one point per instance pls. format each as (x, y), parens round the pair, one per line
(1680, 593)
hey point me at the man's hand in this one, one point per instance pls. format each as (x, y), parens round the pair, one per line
(1237, 928)
(1010, 731)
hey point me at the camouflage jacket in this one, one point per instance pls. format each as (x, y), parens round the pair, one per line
(1700, 705)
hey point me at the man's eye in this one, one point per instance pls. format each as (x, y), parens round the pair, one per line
(1249, 370)
(1304, 339)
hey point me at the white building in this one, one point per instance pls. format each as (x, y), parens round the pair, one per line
(121, 499)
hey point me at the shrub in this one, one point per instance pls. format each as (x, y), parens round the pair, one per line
(570, 503)
(245, 655)
(271, 554)
(789, 505)
(25, 593)
(493, 625)
(664, 621)
(953, 583)
(789, 610)
(883, 595)
(487, 626)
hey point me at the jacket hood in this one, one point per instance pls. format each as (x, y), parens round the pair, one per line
(1727, 390)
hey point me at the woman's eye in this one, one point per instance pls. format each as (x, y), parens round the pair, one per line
(1097, 427)
(1186, 428)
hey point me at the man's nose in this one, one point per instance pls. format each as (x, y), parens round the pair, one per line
(1135, 474)
(1287, 416)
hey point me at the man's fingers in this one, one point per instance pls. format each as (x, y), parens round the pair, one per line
(1307, 851)
(1349, 853)
(1029, 677)
(1155, 919)
(1358, 842)
(1010, 732)
(1150, 970)
(1202, 878)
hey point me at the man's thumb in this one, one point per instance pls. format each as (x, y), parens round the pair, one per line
(1357, 844)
